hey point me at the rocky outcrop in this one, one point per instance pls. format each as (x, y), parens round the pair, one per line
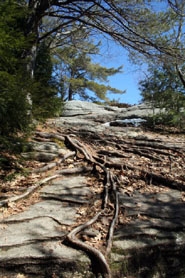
(88, 109)
(77, 108)
(30, 241)
(99, 150)
(153, 244)
(97, 118)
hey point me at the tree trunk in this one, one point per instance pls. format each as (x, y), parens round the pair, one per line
(70, 93)
(180, 74)
(30, 69)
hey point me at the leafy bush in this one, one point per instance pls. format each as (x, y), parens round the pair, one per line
(164, 90)
(170, 119)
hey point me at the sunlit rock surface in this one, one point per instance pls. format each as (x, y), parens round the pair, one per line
(149, 241)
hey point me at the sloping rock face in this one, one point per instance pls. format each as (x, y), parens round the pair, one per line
(148, 170)
(96, 118)
(102, 113)
(77, 107)
(153, 245)
(31, 241)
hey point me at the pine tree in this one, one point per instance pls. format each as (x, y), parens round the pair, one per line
(14, 81)
(46, 102)
(78, 75)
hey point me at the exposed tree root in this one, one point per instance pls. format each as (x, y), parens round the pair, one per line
(96, 254)
(58, 174)
(78, 146)
(136, 151)
(64, 199)
(113, 153)
(142, 149)
(142, 153)
(27, 192)
(114, 219)
(158, 146)
(103, 264)
(146, 142)
(156, 178)
(75, 170)
(102, 163)
(7, 221)
(54, 164)
(49, 135)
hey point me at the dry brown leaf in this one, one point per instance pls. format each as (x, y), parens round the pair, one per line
(70, 166)
(19, 275)
(97, 238)
(11, 204)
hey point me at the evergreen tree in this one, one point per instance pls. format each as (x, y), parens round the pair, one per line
(46, 102)
(14, 81)
(79, 76)
(163, 89)
(134, 24)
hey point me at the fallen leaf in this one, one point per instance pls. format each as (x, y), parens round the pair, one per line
(71, 166)
(19, 275)
(11, 204)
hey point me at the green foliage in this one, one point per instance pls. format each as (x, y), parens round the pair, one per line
(118, 104)
(13, 105)
(16, 85)
(164, 90)
(168, 119)
(79, 76)
(14, 82)
(12, 40)
(46, 102)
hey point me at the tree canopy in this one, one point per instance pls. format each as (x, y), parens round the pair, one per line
(30, 30)
(78, 75)
(152, 29)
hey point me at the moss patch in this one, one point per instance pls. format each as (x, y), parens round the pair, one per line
(60, 143)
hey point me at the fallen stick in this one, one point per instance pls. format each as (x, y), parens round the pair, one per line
(45, 168)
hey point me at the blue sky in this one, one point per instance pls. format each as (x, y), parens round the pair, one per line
(113, 55)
